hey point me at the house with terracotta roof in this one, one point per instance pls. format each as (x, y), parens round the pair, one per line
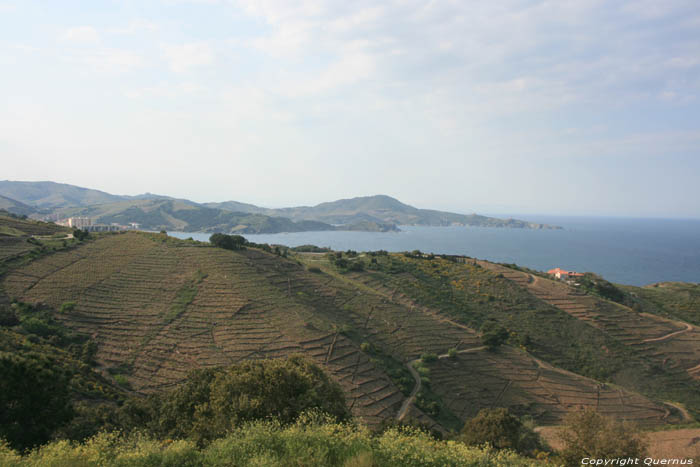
(564, 275)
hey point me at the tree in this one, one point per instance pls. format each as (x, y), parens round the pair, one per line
(502, 430)
(211, 402)
(493, 335)
(228, 242)
(34, 400)
(588, 434)
(81, 234)
(279, 388)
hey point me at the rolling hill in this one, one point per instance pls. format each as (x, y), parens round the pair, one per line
(186, 216)
(15, 207)
(378, 213)
(51, 195)
(379, 209)
(401, 333)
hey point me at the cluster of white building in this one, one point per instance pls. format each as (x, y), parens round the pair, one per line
(85, 223)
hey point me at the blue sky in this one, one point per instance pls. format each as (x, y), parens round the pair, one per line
(552, 107)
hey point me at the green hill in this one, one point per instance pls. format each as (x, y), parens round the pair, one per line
(182, 215)
(51, 195)
(379, 209)
(378, 213)
(15, 207)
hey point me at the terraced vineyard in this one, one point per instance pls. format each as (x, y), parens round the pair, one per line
(159, 307)
(509, 378)
(673, 345)
(12, 247)
(28, 227)
(15, 235)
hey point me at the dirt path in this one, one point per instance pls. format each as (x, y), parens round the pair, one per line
(688, 327)
(682, 410)
(412, 397)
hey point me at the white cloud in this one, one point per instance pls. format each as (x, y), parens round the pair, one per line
(185, 56)
(165, 90)
(106, 59)
(86, 34)
(135, 26)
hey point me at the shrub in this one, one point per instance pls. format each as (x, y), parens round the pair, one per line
(34, 400)
(228, 242)
(214, 401)
(588, 434)
(428, 357)
(502, 430)
(8, 317)
(452, 353)
(493, 335)
(596, 285)
(314, 269)
(314, 441)
(81, 234)
(67, 307)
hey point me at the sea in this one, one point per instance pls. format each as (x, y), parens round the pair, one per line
(623, 250)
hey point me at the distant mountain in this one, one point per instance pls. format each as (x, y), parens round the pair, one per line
(15, 207)
(51, 195)
(379, 213)
(380, 209)
(186, 216)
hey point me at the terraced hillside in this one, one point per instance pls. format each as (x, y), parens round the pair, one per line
(158, 307)
(673, 345)
(16, 235)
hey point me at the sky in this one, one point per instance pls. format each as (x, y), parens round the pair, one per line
(577, 107)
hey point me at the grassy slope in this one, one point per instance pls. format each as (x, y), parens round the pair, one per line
(18, 246)
(676, 300)
(471, 294)
(158, 307)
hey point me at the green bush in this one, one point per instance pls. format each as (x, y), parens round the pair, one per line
(428, 357)
(314, 441)
(588, 434)
(8, 317)
(34, 400)
(214, 401)
(493, 335)
(67, 307)
(228, 242)
(502, 430)
(596, 285)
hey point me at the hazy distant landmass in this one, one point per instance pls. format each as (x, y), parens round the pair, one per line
(15, 207)
(379, 213)
(379, 209)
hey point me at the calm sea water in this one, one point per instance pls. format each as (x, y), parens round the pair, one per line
(627, 251)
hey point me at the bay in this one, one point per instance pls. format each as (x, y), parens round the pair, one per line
(626, 251)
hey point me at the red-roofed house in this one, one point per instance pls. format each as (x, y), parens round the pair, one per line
(562, 274)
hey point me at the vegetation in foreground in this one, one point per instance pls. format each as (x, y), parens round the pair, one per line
(312, 441)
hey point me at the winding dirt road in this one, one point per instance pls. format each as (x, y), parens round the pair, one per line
(688, 327)
(412, 397)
